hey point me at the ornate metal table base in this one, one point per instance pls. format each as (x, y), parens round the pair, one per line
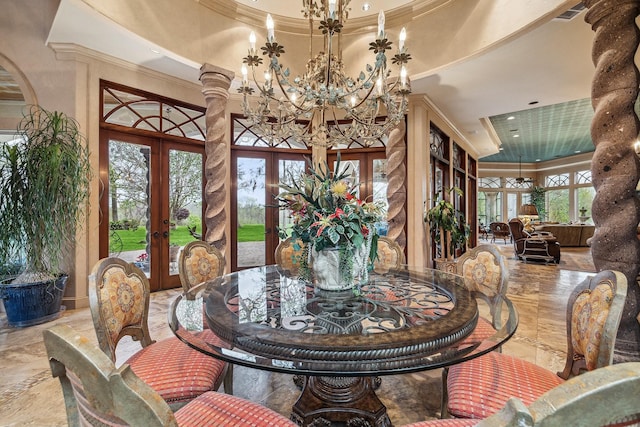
(347, 401)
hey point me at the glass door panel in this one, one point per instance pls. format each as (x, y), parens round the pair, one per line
(129, 203)
(185, 203)
(380, 185)
(250, 220)
(288, 173)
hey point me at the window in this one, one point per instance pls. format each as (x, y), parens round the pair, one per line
(584, 194)
(491, 182)
(560, 180)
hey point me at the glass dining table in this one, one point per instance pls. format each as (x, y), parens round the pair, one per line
(339, 344)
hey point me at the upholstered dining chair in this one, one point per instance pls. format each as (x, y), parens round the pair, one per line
(486, 275)
(603, 397)
(119, 301)
(199, 261)
(481, 386)
(98, 393)
(390, 255)
(289, 254)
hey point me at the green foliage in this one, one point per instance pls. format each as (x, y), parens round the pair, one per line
(44, 184)
(538, 200)
(326, 211)
(443, 218)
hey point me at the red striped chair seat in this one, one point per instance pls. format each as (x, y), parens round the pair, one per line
(177, 372)
(482, 386)
(220, 410)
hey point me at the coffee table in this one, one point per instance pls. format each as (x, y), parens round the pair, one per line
(340, 343)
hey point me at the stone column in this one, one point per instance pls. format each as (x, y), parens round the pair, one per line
(397, 189)
(615, 166)
(216, 82)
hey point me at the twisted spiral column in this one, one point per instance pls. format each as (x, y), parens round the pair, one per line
(215, 82)
(615, 165)
(396, 183)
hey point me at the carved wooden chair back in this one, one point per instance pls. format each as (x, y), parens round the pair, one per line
(199, 261)
(390, 255)
(486, 274)
(289, 254)
(594, 311)
(98, 393)
(119, 301)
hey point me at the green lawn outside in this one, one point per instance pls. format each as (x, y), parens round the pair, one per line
(251, 233)
(134, 240)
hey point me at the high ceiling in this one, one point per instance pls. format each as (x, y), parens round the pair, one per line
(542, 78)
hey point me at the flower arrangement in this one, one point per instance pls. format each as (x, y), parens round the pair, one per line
(327, 214)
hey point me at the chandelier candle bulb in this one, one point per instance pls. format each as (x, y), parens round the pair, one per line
(381, 25)
(252, 43)
(270, 26)
(403, 76)
(403, 37)
(332, 8)
(245, 73)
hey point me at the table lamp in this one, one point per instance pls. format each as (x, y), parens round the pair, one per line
(526, 213)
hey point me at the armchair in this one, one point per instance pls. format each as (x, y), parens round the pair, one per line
(499, 230)
(537, 245)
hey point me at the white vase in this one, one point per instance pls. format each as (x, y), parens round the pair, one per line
(330, 276)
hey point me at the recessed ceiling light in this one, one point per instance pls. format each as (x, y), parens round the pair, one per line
(366, 6)
(537, 160)
(578, 151)
(154, 50)
(501, 149)
(511, 117)
(516, 136)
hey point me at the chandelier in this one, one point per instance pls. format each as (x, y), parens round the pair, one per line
(324, 106)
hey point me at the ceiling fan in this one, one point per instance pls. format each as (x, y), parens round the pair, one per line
(520, 179)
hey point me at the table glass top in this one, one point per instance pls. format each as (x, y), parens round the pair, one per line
(400, 321)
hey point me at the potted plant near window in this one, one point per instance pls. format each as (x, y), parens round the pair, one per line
(448, 229)
(44, 185)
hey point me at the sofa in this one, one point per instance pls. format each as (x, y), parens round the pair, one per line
(569, 234)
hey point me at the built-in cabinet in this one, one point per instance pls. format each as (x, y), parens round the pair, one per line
(452, 166)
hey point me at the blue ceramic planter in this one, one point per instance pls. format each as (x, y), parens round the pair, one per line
(30, 304)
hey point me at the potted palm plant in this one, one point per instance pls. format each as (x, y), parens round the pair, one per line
(448, 229)
(44, 185)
